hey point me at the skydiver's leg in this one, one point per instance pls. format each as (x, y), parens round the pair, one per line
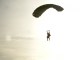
(49, 38)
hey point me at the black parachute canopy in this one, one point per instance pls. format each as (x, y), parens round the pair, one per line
(41, 9)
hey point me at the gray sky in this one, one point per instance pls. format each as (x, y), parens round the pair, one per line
(15, 16)
(16, 20)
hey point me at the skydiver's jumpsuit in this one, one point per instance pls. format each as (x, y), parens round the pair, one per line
(48, 36)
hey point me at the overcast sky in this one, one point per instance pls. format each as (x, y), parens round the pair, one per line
(16, 20)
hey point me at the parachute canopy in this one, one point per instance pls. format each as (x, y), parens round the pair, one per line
(41, 9)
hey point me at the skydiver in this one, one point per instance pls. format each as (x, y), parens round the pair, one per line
(48, 35)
